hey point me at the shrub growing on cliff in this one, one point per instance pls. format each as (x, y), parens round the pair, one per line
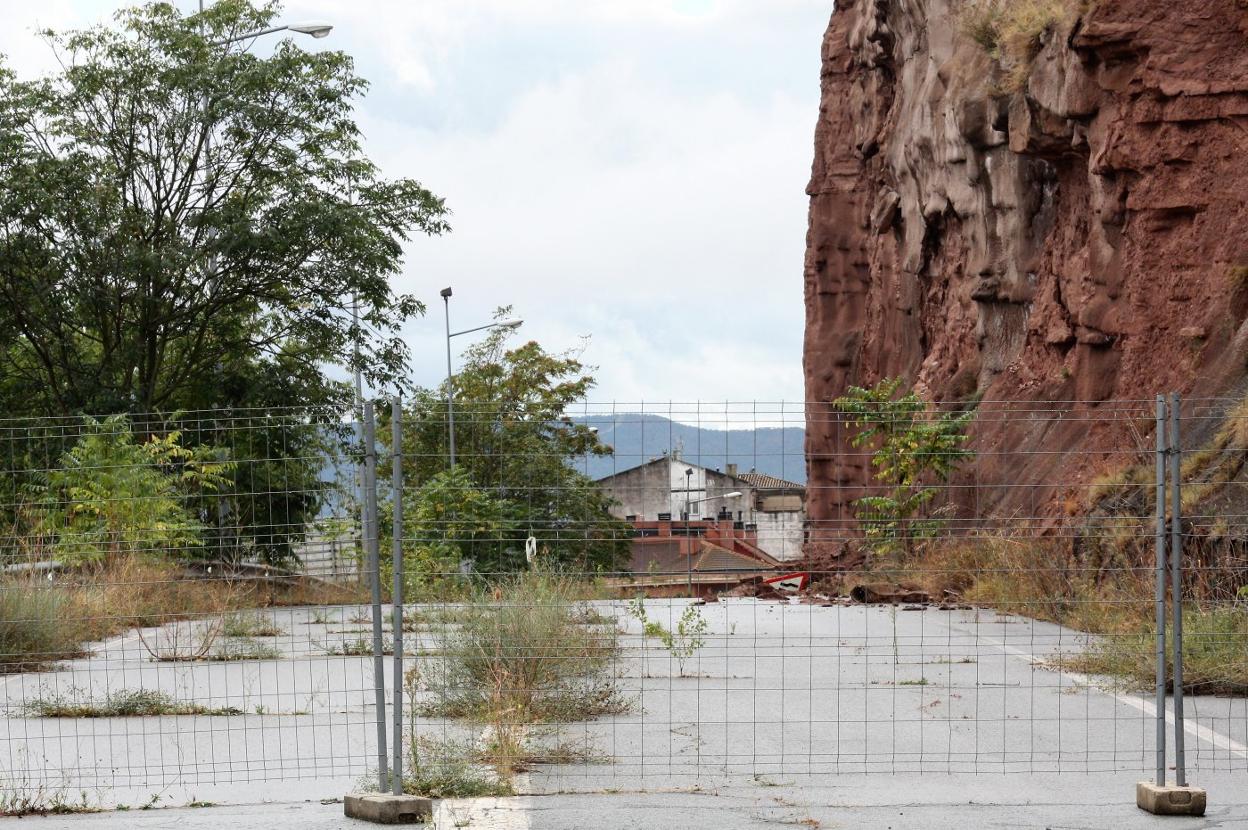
(913, 449)
(1010, 30)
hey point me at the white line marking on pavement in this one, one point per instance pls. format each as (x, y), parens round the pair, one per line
(1194, 729)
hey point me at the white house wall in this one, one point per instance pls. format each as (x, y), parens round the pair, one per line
(660, 487)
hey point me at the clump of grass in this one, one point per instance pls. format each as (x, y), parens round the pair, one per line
(244, 648)
(446, 769)
(521, 654)
(37, 624)
(251, 625)
(38, 800)
(1010, 31)
(121, 704)
(359, 647)
(1215, 653)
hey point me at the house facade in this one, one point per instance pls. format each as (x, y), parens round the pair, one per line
(771, 510)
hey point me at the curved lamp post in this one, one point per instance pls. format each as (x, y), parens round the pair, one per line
(688, 503)
(450, 377)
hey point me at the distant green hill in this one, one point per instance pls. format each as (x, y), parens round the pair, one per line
(637, 438)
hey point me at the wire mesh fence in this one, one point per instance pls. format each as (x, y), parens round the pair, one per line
(625, 596)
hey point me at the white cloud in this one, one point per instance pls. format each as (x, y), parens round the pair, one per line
(671, 229)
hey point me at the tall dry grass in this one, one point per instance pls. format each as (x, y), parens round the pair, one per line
(1010, 31)
(43, 620)
(1041, 580)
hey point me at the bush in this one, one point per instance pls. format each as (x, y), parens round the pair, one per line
(36, 624)
(1215, 653)
(521, 652)
(111, 496)
(912, 448)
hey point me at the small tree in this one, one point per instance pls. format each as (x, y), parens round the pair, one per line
(517, 442)
(454, 521)
(914, 449)
(681, 644)
(111, 496)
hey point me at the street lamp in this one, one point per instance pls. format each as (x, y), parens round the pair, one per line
(688, 503)
(450, 387)
(317, 28)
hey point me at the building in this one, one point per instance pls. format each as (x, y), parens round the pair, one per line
(771, 510)
(779, 514)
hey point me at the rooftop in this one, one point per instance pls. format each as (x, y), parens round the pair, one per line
(762, 481)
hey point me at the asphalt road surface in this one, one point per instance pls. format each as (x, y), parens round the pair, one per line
(788, 714)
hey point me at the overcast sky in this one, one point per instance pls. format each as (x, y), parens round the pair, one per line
(630, 170)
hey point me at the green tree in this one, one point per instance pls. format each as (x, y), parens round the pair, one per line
(176, 214)
(913, 448)
(111, 496)
(453, 521)
(184, 227)
(516, 442)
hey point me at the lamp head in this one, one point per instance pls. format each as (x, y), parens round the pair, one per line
(731, 495)
(446, 292)
(509, 324)
(317, 28)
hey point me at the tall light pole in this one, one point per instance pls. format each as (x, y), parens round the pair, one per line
(318, 29)
(688, 503)
(450, 376)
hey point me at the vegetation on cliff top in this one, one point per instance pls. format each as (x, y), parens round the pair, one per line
(1010, 30)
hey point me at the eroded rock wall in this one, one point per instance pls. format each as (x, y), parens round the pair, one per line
(1082, 239)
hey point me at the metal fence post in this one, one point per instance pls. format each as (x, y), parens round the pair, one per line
(1160, 546)
(374, 573)
(396, 599)
(1176, 585)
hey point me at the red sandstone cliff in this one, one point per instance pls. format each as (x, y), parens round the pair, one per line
(1084, 238)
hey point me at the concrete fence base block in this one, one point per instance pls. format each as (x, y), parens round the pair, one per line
(381, 808)
(1169, 800)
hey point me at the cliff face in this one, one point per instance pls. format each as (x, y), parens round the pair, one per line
(1079, 239)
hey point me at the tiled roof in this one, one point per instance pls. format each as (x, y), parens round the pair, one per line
(762, 481)
(715, 558)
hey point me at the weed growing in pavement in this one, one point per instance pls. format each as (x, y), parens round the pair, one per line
(243, 648)
(520, 650)
(120, 704)
(521, 654)
(359, 647)
(682, 643)
(251, 624)
(24, 800)
(444, 769)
